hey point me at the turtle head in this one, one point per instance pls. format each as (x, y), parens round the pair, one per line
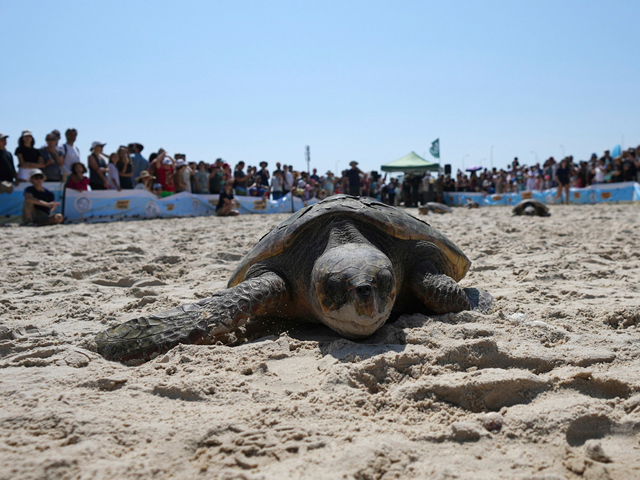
(355, 289)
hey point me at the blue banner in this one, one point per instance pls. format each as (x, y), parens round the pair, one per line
(599, 193)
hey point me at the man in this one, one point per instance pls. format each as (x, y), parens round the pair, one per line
(8, 172)
(138, 161)
(226, 202)
(240, 179)
(70, 152)
(314, 175)
(353, 175)
(39, 203)
(53, 159)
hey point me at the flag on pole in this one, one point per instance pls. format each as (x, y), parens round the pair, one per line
(435, 148)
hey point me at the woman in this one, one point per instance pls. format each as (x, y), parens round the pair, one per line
(77, 179)
(114, 173)
(97, 167)
(125, 168)
(562, 177)
(29, 158)
(145, 181)
(329, 184)
(182, 177)
(201, 178)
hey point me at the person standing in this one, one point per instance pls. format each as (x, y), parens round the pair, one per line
(353, 175)
(7, 168)
(29, 158)
(53, 159)
(97, 167)
(70, 152)
(125, 168)
(563, 173)
(138, 161)
(113, 173)
(240, 179)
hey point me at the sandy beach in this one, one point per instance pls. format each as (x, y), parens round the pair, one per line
(558, 361)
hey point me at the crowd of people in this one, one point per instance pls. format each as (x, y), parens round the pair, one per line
(163, 174)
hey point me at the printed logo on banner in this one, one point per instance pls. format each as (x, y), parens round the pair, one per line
(605, 195)
(82, 204)
(527, 195)
(122, 205)
(260, 205)
(592, 197)
(496, 198)
(195, 204)
(213, 202)
(170, 206)
(576, 194)
(151, 209)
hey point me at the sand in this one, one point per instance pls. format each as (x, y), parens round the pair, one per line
(557, 361)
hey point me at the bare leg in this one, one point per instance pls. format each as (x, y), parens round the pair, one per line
(205, 322)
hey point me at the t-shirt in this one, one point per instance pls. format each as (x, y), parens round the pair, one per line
(203, 179)
(71, 156)
(44, 195)
(113, 175)
(7, 168)
(186, 179)
(29, 154)
(165, 178)
(354, 177)
(139, 164)
(224, 195)
(237, 174)
(215, 183)
(276, 183)
(262, 176)
(52, 171)
(78, 184)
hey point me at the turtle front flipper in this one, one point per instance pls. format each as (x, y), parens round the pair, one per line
(441, 294)
(205, 322)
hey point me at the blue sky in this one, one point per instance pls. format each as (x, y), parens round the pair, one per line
(369, 81)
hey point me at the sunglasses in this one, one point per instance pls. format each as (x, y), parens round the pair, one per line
(37, 177)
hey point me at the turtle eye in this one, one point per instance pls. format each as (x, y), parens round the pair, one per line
(385, 282)
(335, 289)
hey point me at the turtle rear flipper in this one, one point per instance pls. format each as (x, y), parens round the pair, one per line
(206, 322)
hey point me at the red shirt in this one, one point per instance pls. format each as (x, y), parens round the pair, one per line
(164, 176)
(78, 185)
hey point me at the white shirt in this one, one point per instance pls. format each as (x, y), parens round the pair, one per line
(71, 156)
(113, 175)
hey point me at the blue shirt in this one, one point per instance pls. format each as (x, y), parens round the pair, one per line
(139, 164)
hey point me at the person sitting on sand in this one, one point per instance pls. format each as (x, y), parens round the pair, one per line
(77, 180)
(226, 202)
(39, 203)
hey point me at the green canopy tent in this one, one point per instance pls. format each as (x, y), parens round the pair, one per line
(411, 163)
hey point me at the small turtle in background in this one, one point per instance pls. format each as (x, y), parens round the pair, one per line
(434, 207)
(471, 204)
(347, 262)
(531, 207)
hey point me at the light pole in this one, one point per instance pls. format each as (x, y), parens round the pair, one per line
(562, 147)
(463, 160)
(535, 154)
(337, 162)
(491, 156)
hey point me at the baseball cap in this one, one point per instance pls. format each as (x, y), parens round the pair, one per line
(167, 161)
(34, 172)
(180, 163)
(3, 135)
(157, 185)
(26, 132)
(97, 144)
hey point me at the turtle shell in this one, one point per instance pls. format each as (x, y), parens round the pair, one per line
(541, 209)
(390, 220)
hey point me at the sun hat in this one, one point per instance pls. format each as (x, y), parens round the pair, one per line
(97, 144)
(265, 163)
(144, 174)
(353, 162)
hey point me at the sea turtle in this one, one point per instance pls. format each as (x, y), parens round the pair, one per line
(531, 207)
(347, 262)
(434, 207)
(471, 204)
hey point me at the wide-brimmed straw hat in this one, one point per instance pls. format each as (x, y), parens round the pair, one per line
(144, 174)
